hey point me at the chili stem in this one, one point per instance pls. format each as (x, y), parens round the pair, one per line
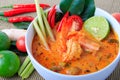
(1, 13)
(4, 19)
(10, 6)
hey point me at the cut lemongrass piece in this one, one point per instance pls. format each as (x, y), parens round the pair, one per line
(39, 32)
(25, 63)
(27, 71)
(40, 21)
(48, 29)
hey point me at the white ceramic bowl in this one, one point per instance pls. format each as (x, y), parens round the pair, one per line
(50, 75)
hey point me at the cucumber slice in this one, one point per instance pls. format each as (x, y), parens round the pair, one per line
(97, 26)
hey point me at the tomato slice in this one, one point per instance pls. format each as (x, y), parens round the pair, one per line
(75, 22)
(20, 44)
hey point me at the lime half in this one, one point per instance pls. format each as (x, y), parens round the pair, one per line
(97, 26)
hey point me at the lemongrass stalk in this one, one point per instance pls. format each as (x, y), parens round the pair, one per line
(39, 32)
(46, 13)
(40, 21)
(48, 28)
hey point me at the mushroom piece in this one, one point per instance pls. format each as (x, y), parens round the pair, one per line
(73, 71)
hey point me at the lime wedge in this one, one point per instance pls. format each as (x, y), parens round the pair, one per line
(97, 26)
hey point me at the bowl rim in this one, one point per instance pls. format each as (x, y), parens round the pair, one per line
(59, 74)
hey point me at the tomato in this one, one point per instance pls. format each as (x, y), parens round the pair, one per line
(20, 44)
(9, 63)
(116, 16)
(75, 22)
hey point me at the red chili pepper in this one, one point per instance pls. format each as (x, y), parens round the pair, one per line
(16, 6)
(17, 19)
(53, 19)
(50, 14)
(17, 11)
(61, 22)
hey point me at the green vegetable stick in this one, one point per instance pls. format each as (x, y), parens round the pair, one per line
(28, 70)
(25, 63)
(40, 21)
(46, 13)
(47, 25)
(44, 42)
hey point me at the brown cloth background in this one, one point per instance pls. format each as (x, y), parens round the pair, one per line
(110, 6)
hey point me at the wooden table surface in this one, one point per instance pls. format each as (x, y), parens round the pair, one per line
(110, 6)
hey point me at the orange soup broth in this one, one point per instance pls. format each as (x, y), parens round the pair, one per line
(88, 62)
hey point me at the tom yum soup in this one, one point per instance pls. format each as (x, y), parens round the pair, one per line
(79, 47)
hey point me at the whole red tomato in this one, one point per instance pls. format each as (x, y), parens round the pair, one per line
(20, 44)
